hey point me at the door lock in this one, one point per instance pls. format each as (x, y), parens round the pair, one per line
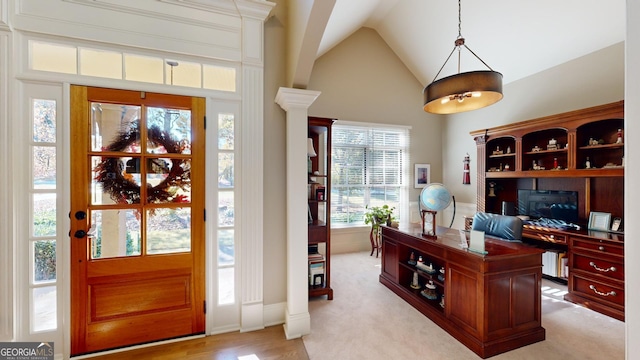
(80, 234)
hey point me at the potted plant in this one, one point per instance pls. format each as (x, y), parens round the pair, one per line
(376, 215)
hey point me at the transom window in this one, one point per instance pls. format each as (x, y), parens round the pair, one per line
(72, 59)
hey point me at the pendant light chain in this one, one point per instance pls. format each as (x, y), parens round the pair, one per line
(460, 40)
(459, 19)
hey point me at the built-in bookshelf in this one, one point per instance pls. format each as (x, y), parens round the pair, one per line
(579, 151)
(319, 206)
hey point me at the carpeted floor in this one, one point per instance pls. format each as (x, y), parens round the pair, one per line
(365, 320)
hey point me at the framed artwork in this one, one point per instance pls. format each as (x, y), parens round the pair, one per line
(616, 224)
(599, 221)
(422, 175)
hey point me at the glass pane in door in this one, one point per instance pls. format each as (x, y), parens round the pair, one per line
(169, 131)
(111, 183)
(168, 230)
(115, 127)
(114, 233)
(168, 180)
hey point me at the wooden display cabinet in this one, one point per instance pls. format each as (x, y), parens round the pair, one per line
(587, 158)
(571, 132)
(319, 202)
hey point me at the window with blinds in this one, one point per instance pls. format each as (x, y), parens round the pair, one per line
(368, 168)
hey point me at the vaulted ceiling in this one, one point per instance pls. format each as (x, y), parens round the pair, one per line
(516, 38)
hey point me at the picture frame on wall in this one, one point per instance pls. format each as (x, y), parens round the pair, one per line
(599, 221)
(422, 174)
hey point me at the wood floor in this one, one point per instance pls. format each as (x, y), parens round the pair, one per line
(267, 344)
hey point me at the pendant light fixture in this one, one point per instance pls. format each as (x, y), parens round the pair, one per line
(462, 91)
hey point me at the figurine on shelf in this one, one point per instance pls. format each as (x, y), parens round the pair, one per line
(553, 144)
(508, 149)
(420, 261)
(538, 165)
(497, 151)
(442, 301)
(506, 167)
(619, 139)
(412, 259)
(555, 163)
(492, 189)
(441, 275)
(535, 148)
(430, 291)
(587, 164)
(415, 284)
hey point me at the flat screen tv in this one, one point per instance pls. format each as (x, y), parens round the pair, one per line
(549, 204)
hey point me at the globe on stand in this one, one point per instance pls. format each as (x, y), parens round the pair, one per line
(433, 198)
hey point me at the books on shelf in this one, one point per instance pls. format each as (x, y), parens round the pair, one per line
(316, 269)
(316, 191)
(555, 263)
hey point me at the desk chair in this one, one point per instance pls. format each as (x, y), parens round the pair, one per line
(503, 227)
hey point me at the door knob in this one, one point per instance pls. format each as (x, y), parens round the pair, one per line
(80, 234)
(80, 215)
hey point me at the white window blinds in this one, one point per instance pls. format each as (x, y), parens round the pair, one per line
(368, 167)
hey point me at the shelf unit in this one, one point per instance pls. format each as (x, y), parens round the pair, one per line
(581, 151)
(319, 130)
(529, 144)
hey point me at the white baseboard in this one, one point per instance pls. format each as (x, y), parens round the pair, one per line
(274, 314)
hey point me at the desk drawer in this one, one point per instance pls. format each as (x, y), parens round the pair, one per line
(603, 247)
(596, 290)
(600, 266)
(543, 236)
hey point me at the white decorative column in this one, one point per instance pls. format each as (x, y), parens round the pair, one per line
(296, 103)
(6, 200)
(251, 167)
(251, 203)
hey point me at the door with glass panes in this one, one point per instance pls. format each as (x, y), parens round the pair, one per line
(137, 218)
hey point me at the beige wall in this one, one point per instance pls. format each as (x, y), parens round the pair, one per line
(275, 212)
(591, 80)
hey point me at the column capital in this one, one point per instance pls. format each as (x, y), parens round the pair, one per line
(289, 98)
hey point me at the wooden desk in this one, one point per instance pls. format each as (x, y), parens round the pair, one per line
(492, 303)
